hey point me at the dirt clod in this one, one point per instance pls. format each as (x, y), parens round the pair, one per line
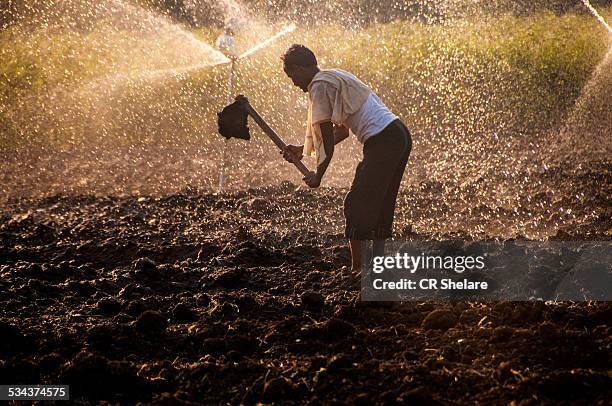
(277, 389)
(261, 309)
(312, 300)
(108, 306)
(151, 322)
(183, 313)
(337, 328)
(440, 319)
(11, 337)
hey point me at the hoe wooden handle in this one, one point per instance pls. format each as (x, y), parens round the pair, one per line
(271, 133)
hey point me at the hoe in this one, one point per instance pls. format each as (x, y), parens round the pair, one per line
(232, 122)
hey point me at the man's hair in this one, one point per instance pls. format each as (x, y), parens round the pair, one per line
(299, 55)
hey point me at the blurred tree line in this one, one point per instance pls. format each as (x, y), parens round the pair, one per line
(212, 12)
(426, 11)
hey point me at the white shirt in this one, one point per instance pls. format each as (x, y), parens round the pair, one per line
(369, 120)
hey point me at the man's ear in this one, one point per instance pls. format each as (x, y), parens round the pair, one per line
(304, 69)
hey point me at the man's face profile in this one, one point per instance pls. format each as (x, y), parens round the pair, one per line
(297, 74)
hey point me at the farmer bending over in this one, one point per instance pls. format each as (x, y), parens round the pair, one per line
(339, 102)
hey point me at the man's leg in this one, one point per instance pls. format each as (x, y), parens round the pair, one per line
(378, 248)
(385, 221)
(364, 204)
(358, 248)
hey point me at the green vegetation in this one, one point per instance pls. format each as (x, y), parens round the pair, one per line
(505, 74)
(515, 73)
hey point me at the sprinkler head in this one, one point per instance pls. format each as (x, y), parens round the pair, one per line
(232, 120)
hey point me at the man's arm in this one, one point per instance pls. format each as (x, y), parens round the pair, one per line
(327, 132)
(340, 133)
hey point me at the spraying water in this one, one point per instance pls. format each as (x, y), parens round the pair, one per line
(230, 87)
(265, 43)
(594, 11)
(477, 94)
(586, 133)
(171, 36)
(94, 61)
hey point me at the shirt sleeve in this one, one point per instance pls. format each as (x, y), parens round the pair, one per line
(322, 95)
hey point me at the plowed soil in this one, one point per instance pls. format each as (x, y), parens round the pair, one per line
(203, 298)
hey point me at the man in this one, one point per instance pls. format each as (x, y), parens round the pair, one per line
(339, 102)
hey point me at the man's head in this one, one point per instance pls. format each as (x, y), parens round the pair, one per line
(300, 64)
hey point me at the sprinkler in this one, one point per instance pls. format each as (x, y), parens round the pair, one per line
(226, 44)
(232, 121)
